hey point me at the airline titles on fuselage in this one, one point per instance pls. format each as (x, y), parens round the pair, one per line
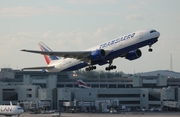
(5, 109)
(114, 41)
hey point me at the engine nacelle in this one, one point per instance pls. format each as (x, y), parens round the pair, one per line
(134, 54)
(44, 71)
(98, 55)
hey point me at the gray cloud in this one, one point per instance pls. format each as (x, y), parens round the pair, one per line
(135, 17)
(83, 2)
(143, 2)
(48, 10)
(132, 7)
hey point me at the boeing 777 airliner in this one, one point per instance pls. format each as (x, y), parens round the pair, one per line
(126, 46)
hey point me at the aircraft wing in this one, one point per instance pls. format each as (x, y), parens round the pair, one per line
(43, 67)
(81, 55)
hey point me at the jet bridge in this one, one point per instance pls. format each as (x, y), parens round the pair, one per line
(171, 104)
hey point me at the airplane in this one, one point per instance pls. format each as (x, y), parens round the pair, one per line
(9, 110)
(126, 46)
(82, 84)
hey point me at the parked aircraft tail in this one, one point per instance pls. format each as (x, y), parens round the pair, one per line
(82, 84)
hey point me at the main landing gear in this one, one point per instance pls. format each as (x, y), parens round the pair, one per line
(90, 68)
(110, 67)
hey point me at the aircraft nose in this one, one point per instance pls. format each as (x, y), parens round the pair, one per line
(158, 34)
(22, 111)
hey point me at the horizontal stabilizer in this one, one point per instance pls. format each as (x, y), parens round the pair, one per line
(43, 67)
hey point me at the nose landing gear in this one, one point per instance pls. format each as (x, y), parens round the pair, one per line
(150, 49)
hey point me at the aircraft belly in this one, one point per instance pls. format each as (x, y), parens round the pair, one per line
(76, 66)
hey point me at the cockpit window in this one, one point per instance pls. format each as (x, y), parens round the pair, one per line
(153, 31)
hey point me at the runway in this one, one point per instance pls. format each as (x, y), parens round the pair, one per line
(130, 114)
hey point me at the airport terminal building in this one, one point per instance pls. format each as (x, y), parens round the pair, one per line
(62, 91)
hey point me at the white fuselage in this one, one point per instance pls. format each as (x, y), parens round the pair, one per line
(133, 40)
(9, 110)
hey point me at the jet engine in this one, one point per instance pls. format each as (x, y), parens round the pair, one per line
(97, 55)
(134, 54)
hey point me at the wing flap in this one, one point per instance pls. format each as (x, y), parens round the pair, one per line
(80, 55)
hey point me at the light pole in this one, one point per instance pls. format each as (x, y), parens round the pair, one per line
(74, 76)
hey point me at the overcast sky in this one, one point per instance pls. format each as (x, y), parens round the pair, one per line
(80, 24)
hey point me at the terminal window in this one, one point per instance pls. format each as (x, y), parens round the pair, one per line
(103, 85)
(155, 96)
(95, 85)
(29, 89)
(10, 96)
(60, 85)
(117, 95)
(29, 95)
(129, 102)
(143, 95)
(8, 89)
(42, 85)
(69, 85)
(149, 85)
(112, 86)
(121, 86)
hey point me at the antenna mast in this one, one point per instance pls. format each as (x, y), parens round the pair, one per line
(171, 63)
